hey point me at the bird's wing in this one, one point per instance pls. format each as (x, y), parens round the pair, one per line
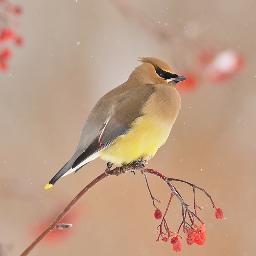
(122, 114)
(111, 117)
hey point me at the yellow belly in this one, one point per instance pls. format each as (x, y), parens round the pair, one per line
(146, 136)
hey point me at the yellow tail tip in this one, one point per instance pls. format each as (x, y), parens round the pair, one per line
(48, 186)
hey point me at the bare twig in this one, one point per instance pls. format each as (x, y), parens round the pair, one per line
(195, 187)
(63, 213)
(117, 171)
(163, 221)
(149, 190)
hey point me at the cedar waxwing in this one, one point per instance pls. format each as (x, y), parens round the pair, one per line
(131, 122)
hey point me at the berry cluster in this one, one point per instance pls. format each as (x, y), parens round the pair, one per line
(191, 227)
(195, 233)
(8, 35)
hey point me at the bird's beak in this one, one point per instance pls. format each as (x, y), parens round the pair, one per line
(179, 79)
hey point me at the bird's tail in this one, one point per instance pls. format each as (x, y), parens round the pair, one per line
(65, 170)
(73, 165)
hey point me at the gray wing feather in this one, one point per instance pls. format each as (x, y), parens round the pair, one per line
(111, 117)
(127, 109)
(119, 113)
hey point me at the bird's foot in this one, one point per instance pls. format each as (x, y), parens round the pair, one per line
(139, 164)
(109, 165)
(115, 171)
(132, 167)
(108, 170)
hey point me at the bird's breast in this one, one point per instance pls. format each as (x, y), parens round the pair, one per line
(145, 137)
(148, 132)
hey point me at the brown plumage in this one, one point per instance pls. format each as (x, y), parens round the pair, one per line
(130, 122)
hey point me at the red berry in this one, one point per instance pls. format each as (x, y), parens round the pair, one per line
(196, 235)
(219, 213)
(6, 34)
(158, 214)
(18, 40)
(174, 240)
(3, 66)
(190, 84)
(164, 238)
(17, 9)
(176, 244)
(5, 54)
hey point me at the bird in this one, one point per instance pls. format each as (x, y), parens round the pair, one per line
(131, 122)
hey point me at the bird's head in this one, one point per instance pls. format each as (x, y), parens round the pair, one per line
(155, 71)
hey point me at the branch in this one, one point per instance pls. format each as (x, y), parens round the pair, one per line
(63, 213)
(116, 171)
(137, 165)
(143, 20)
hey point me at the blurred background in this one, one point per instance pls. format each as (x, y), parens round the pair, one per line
(70, 53)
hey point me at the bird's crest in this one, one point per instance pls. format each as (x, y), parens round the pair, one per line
(157, 63)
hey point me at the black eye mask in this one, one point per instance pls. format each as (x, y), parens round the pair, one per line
(164, 74)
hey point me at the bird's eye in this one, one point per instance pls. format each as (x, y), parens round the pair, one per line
(164, 74)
